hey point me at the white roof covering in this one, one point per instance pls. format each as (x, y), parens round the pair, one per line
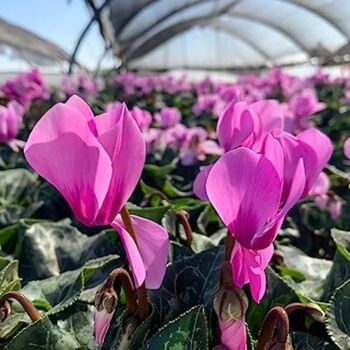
(228, 34)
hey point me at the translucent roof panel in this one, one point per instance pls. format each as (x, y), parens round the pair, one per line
(159, 34)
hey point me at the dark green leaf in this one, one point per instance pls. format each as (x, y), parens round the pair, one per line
(304, 341)
(338, 317)
(188, 332)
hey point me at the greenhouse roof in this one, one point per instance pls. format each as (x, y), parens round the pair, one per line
(29, 46)
(228, 34)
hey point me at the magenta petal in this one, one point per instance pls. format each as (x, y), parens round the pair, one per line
(233, 335)
(321, 185)
(235, 125)
(123, 141)
(273, 151)
(134, 257)
(102, 321)
(245, 190)
(240, 275)
(153, 242)
(270, 115)
(79, 104)
(82, 176)
(248, 266)
(347, 148)
(199, 185)
(323, 148)
(257, 283)
(267, 234)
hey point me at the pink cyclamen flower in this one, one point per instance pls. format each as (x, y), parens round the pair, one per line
(143, 118)
(26, 87)
(246, 188)
(10, 122)
(167, 117)
(347, 148)
(303, 106)
(81, 155)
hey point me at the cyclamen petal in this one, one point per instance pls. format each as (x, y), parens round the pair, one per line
(200, 183)
(102, 321)
(133, 254)
(88, 159)
(235, 125)
(121, 137)
(347, 148)
(321, 185)
(245, 190)
(233, 335)
(248, 266)
(323, 148)
(148, 261)
(62, 149)
(270, 115)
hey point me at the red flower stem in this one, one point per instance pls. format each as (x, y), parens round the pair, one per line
(28, 307)
(230, 242)
(182, 216)
(141, 292)
(127, 285)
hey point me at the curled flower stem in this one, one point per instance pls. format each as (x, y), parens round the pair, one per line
(127, 285)
(28, 307)
(141, 292)
(311, 309)
(182, 216)
(275, 327)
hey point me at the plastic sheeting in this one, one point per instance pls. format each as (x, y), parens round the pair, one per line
(28, 46)
(228, 34)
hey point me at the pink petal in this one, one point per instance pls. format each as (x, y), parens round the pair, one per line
(245, 190)
(233, 334)
(122, 139)
(153, 243)
(321, 185)
(347, 148)
(322, 145)
(199, 185)
(134, 257)
(235, 125)
(273, 151)
(79, 104)
(270, 115)
(102, 321)
(62, 149)
(248, 266)
(267, 234)
(293, 150)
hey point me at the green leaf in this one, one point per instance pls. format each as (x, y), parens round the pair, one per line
(340, 271)
(78, 321)
(16, 185)
(153, 213)
(308, 274)
(50, 248)
(42, 335)
(278, 292)
(338, 317)
(188, 282)
(188, 332)
(9, 279)
(63, 290)
(304, 341)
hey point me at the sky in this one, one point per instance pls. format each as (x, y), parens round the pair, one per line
(60, 21)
